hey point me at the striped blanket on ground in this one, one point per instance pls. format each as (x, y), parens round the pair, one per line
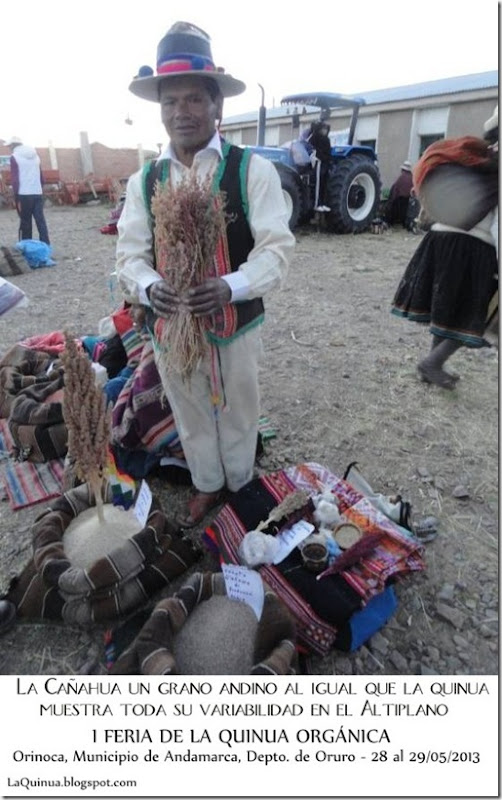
(116, 584)
(26, 483)
(151, 652)
(323, 609)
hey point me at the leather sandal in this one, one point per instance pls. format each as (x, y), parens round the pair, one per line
(200, 505)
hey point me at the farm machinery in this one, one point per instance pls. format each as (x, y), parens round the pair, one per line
(353, 181)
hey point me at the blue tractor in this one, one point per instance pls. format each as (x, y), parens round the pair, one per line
(353, 182)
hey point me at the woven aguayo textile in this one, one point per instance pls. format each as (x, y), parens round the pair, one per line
(25, 482)
(152, 651)
(323, 609)
(116, 584)
(141, 417)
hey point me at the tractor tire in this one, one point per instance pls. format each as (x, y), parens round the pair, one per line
(292, 193)
(353, 193)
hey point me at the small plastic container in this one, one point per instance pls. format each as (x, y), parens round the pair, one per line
(315, 557)
(346, 534)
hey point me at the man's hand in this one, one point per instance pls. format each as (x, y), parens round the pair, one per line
(208, 297)
(163, 298)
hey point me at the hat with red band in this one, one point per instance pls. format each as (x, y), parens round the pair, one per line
(184, 50)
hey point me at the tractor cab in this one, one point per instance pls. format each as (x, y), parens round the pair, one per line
(352, 184)
(342, 140)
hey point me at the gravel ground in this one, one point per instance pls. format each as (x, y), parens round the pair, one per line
(338, 384)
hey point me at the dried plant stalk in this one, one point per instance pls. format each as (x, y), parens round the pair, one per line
(292, 502)
(364, 547)
(189, 222)
(87, 420)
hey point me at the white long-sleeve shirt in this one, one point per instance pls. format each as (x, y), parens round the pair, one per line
(268, 261)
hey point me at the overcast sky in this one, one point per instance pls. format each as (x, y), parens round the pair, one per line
(66, 67)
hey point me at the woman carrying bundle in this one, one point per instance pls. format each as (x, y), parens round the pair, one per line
(452, 279)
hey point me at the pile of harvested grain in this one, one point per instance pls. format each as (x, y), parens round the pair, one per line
(87, 539)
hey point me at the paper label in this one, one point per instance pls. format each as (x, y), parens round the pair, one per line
(290, 538)
(245, 585)
(143, 503)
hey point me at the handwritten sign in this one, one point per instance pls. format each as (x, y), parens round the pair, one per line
(290, 538)
(245, 585)
(143, 503)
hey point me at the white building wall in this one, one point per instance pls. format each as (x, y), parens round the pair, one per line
(367, 128)
(427, 122)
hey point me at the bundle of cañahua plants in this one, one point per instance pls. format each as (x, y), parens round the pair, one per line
(87, 420)
(190, 220)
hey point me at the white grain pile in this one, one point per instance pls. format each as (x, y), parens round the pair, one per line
(86, 539)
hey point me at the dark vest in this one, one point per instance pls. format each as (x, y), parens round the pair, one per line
(231, 179)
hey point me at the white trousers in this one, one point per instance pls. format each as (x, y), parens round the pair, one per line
(219, 441)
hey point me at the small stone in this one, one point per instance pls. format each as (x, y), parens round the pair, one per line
(451, 615)
(460, 641)
(460, 492)
(486, 632)
(447, 592)
(433, 653)
(394, 625)
(426, 431)
(470, 603)
(343, 666)
(414, 604)
(379, 643)
(423, 472)
(440, 484)
(425, 670)
(399, 661)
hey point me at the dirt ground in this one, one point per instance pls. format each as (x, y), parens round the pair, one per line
(338, 384)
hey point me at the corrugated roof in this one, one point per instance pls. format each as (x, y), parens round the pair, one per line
(414, 91)
(461, 83)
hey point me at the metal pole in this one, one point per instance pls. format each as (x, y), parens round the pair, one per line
(353, 123)
(262, 116)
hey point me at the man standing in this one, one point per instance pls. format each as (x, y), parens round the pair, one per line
(216, 412)
(26, 177)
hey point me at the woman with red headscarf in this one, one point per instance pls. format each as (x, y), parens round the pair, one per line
(452, 278)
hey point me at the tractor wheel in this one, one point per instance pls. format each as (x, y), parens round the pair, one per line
(292, 195)
(353, 195)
